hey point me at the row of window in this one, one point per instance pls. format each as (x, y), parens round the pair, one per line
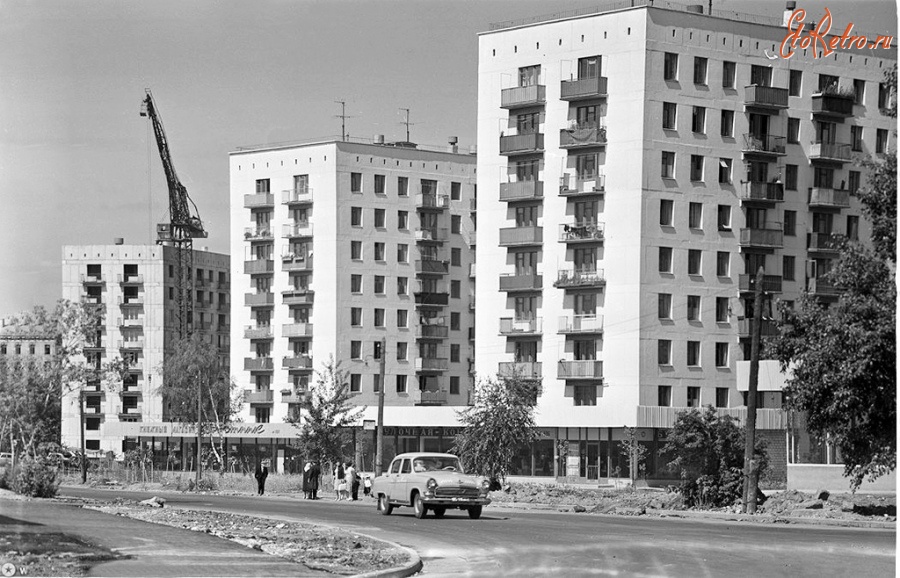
(664, 353)
(723, 308)
(379, 220)
(378, 316)
(401, 382)
(664, 396)
(17, 349)
(694, 262)
(426, 350)
(428, 186)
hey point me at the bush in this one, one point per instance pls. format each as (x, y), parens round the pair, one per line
(34, 477)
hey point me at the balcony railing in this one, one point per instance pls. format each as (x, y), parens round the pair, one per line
(432, 201)
(521, 191)
(259, 200)
(765, 96)
(822, 288)
(291, 396)
(763, 144)
(433, 397)
(521, 96)
(292, 196)
(258, 364)
(472, 270)
(771, 283)
(765, 237)
(581, 324)
(835, 105)
(134, 301)
(579, 278)
(832, 152)
(297, 330)
(520, 369)
(432, 266)
(131, 322)
(292, 262)
(510, 326)
(258, 234)
(297, 297)
(760, 191)
(574, 185)
(825, 242)
(93, 279)
(432, 234)
(259, 299)
(259, 266)
(581, 231)
(745, 328)
(432, 332)
(434, 298)
(132, 344)
(258, 332)
(828, 198)
(130, 279)
(581, 369)
(522, 143)
(512, 282)
(297, 362)
(432, 364)
(516, 236)
(293, 230)
(582, 135)
(582, 88)
(259, 396)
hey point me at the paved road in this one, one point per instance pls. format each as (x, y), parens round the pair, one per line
(507, 543)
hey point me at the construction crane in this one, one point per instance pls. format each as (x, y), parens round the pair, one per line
(183, 227)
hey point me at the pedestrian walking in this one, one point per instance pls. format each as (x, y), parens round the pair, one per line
(261, 474)
(367, 485)
(338, 481)
(352, 481)
(306, 490)
(314, 474)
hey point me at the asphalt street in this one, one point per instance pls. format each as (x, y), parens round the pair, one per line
(513, 543)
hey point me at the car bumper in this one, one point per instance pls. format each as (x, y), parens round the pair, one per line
(456, 502)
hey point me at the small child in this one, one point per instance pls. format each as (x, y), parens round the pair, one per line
(367, 485)
(343, 492)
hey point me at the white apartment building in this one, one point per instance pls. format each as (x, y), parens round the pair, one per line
(134, 286)
(636, 166)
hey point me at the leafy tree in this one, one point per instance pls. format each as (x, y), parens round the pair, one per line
(709, 457)
(635, 452)
(500, 422)
(326, 415)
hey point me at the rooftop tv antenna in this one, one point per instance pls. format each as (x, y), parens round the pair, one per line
(407, 123)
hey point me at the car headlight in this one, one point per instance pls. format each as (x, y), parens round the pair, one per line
(485, 485)
(431, 484)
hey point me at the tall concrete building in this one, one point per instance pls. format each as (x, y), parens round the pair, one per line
(337, 246)
(134, 287)
(636, 167)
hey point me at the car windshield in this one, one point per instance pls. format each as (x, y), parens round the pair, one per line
(437, 463)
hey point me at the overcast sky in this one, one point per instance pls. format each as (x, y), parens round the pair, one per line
(78, 165)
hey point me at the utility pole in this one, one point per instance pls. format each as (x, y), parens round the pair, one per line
(199, 421)
(379, 426)
(751, 466)
(343, 117)
(83, 452)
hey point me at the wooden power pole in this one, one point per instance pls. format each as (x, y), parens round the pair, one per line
(751, 466)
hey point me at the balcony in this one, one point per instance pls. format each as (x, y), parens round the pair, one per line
(824, 242)
(432, 267)
(432, 364)
(131, 322)
(297, 362)
(92, 279)
(522, 144)
(291, 396)
(515, 327)
(297, 330)
(260, 396)
(511, 283)
(822, 288)
(766, 144)
(745, 328)
(521, 191)
(472, 239)
(296, 196)
(833, 104)
(582, 135)
(581, 232)
(760, 192)
(583, 88)
(829, 152)
(258, 234)
(130, 413)
(578, 278)
(131, 279)
(432, 332)
(297, 297)
(435, 235)
(747, 283)
(581, 324)
(259, 200)
(297, 230)
(131, 301)
(582, 185)
(432, 397)
(768, 237)
(520, 369)
(258, 332)
(766, 97)
(433, 298)
(822, 198)
(583, 369)
(293, 262)
(259, 267)
(259, 299)
(472, 270)
(523, 96)
(521, 236)
(258, 364)
(432, 201)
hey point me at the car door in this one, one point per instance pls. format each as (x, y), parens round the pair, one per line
(404, 482)
(385, 482)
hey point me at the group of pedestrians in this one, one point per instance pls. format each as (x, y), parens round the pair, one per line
(311, 474)
(346, 481)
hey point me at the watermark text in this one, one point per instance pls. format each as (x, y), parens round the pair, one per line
(817, 38)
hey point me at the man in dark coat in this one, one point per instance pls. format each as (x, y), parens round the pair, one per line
(314, 474)
(261, 475)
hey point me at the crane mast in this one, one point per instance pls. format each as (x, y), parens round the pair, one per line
(184, 224)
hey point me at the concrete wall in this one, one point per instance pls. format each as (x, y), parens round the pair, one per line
(813, 477)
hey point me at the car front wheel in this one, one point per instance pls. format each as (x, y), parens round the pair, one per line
(384, 506)
(419, 508)
(475, 512)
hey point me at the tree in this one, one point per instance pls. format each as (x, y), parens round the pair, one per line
(326, 415)
(497, 426)
(709, 457)
(635, 452)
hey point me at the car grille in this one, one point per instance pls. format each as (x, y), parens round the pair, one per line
(440, 492)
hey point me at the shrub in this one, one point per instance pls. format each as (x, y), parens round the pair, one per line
(34, 477)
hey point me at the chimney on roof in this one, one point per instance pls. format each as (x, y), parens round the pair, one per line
(453, 144)
(379, 139)
(788, 11)
(119, 241)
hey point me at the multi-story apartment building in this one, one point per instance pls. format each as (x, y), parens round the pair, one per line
(18, 340)
(636, 167)
(134, 287)
(339, 247)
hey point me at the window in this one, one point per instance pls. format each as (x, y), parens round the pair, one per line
(853, 181)
(402, 318)
(355, 182)
(379, 284)
(262, 186)
(728, 69)
(793, 131)
(47, 347)
(693, 357)
(379, 218)
(454, 289)
(528, 123)
(795, 82)
(700, 65)
(588, 67)
(455, 191)
(698, 120)
(666, 212)
(693, 392)
(403, 220)
(455, 224)
(402, 351)
(721, 397)
(455, 256)
(262, 415)
(586, 166)
(827, 82)
(696, 168)
(454, 385)
(376, 350)
(356, 283)
(670, 66)
(695, 215)
(727, 128)
(790, 223)
(790, 177)
(852, 228)
(693, 308)
(454, 321)
(859, 91)
(669, 111)
(881, 139)
(694, 257)
(454, 352)
(787, 267)
(355, 349)
(760, 75)
(376, 383)
(401, 384)
(668, 165)
(530, 75)
(402, 186)
(356, 316)
(856, 136)
(584, 395)
(725, 171)
(356, 216)
(665, 259)
(665, 306)
(664, 352)
(379, 185)
(721, 355)
(379, 251)
(402, 253)
(664, 396)
(723, 264)
(722, 309)
(884, 96)
(356, 250)
(355, 382)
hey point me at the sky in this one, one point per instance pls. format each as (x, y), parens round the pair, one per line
(78, 165)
